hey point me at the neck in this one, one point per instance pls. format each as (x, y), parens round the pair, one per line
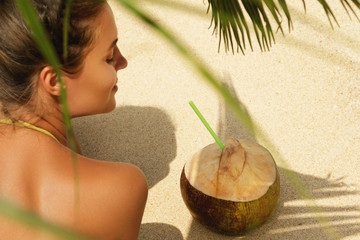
(53, 123)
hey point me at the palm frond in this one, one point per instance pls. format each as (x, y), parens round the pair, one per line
(232, 102)
(40, 37)
(48, 51)
(228, 20)
(347, 5)
(328, 12)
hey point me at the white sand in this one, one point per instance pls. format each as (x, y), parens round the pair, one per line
(304, 93)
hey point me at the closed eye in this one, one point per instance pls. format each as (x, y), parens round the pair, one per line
(110, 60)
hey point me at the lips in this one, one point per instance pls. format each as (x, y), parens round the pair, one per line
(115, 88)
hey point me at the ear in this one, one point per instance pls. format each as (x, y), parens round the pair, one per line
(49, 81)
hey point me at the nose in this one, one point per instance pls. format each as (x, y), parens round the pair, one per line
(121, 61)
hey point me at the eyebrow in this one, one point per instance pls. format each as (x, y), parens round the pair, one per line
(113, 44)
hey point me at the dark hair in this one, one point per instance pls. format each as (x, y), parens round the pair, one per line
(20, 58)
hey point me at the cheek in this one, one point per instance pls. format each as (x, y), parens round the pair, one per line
(100, 78)
(102, 81)
(92, 92)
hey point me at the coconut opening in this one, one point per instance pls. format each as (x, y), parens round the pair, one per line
(244, 171)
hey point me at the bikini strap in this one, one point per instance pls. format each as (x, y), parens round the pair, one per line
(20, 123)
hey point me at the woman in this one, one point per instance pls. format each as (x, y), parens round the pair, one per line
(36, 170)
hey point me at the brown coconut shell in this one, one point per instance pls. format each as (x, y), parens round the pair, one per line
(228, 216)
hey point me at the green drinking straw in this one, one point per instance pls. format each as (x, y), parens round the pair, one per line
(198, 113)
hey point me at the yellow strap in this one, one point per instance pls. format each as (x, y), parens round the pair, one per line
(20, 123)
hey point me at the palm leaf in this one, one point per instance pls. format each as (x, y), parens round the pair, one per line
(226, 16)
(347, 5)
(243, 116)
(229, 20)
(328, 12)
(48, 51)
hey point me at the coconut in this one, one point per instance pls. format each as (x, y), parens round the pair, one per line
(231, 191)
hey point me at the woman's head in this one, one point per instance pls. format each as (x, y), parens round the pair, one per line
(92, 90)
(20, 58)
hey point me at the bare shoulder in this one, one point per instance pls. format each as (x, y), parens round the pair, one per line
(114, 195)
(112, 175)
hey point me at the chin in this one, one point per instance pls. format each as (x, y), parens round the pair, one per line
(111, 106)
(110, 109)
(94, 112)
(92, 109)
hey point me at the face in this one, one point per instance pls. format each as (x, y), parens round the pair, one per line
(93, 89)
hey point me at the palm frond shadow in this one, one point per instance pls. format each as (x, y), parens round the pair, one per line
(316, 25)
(321, 53)
(292, 218)
(143, 136)
(228, 123)
(324, 53)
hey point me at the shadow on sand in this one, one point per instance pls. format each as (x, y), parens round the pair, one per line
(157, 231)
(130, 134)
(292, 218)
(133, 135)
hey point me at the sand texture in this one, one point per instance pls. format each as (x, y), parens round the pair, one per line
(304, 94)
